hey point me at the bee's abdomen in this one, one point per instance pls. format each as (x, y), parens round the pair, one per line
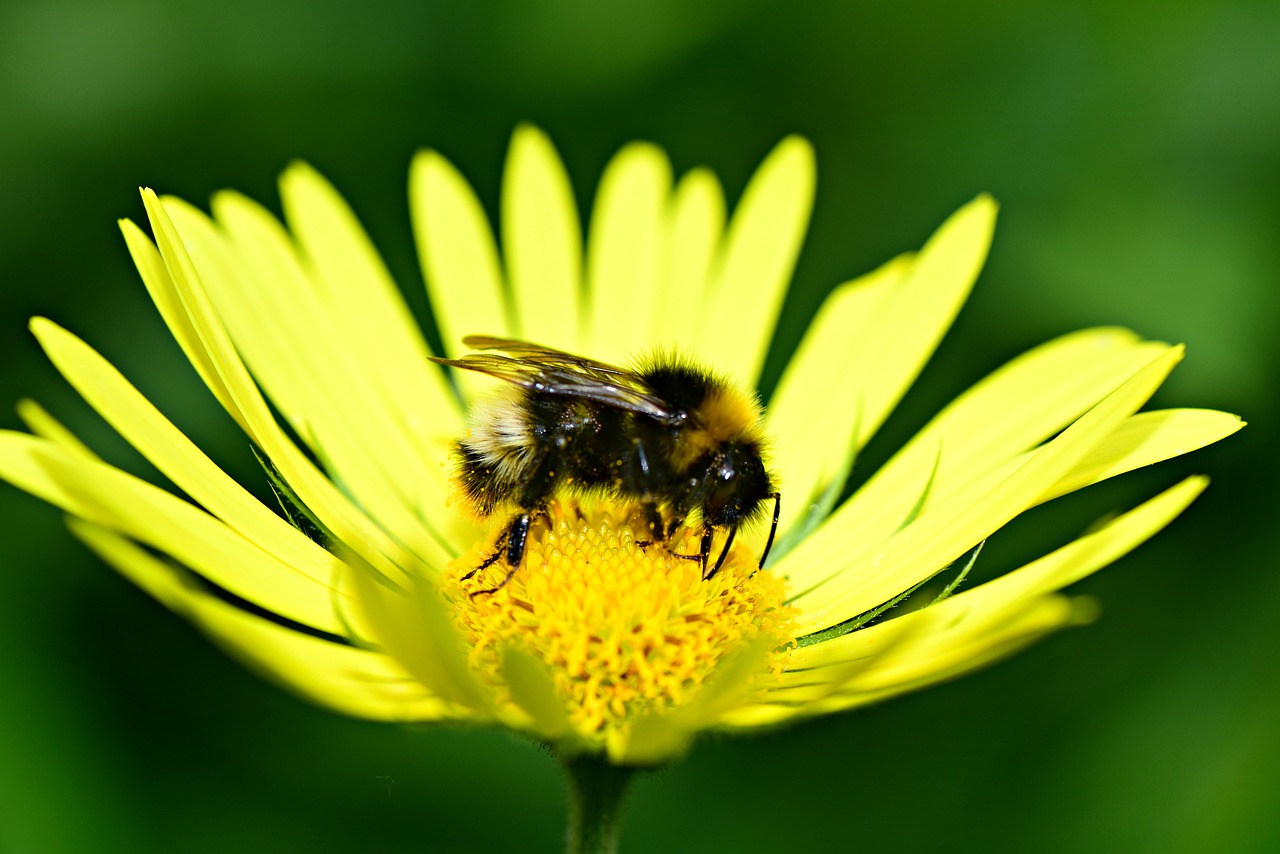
(482, 479)
(528, 446)
(498, 455)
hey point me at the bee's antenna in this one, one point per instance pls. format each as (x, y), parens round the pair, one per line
(724, 553)
(773, 529)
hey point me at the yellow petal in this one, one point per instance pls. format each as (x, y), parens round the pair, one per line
(657, 738)
(969, 516)
(155, 275)
(542, 242)
(112, 499)
(624, 254)
(44, 425)
(342, 678)
(692, 227)
(760, 250)
(180, 285)
(1001, 638)
(908, 306)
(1029, 400)
(919, 312)
(277, 322)
(1083, 556)
(412, 626)
(459, 257)
(374, 327)
(814, 413)
(982, 431)
(977, 626)
(1147, 438)
(1141, 440)
(533, 689)
(963, 613)
(178, 458)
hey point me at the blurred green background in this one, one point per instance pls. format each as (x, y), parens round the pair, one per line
(1136, 151)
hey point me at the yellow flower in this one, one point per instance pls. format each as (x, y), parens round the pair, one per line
(358, 594)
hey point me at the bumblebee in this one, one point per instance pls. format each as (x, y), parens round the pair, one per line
(681, 444)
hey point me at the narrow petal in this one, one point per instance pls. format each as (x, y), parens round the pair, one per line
(1145, 439)
(276, 320)
(533, 689)
(112, 499)
(1141, 440)
(458, 255)
(1002, 417)
(542, 242)
(760, 251)
(947, 531)
(342, 678)
(978, 625)
(693, 224)
(813, 415)
(999, 636)
(413, 627)
(657, 738)
(179, 285)
(151, 266)
(369, 314)
(898, 321)
(44, 425)
(178, 458)
(624, 254)
(913, 320)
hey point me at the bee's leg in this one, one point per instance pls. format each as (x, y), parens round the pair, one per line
(724, 553)
(493, 558)
(704, 550)
(676, 522)
(773, 529)
(517, 535)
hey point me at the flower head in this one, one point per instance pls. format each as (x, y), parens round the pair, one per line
(372, 590)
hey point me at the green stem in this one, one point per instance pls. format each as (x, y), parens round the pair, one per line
(597, 789)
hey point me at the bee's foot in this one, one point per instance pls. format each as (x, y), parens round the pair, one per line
(501, 585)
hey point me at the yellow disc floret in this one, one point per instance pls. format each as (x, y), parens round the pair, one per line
(626, 627)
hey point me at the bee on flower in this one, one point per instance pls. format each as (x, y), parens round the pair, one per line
(574, 549)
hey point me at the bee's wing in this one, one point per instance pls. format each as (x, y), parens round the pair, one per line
(556, 372)
(545, 355)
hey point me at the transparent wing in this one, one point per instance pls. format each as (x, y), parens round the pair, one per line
(556, 372)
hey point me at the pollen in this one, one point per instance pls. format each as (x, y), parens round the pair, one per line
(627, 626)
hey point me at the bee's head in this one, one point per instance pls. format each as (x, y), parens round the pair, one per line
(735, 484)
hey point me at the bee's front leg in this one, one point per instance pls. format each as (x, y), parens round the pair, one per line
(516, 536)
(495, 557)
(724, 553)
(704, 550)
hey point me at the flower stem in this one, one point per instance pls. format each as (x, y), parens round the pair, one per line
(597, 789)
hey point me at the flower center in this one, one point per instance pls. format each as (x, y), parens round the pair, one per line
(625, 628)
